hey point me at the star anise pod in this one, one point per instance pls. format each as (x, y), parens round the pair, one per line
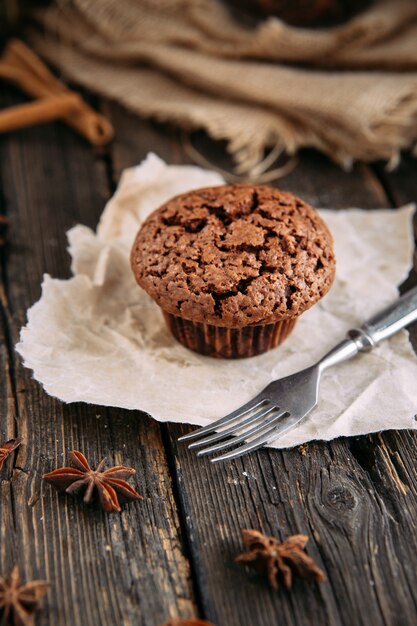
(280, 560)
(19, 601)
(107, 484)
(175, 621)
(7, 448)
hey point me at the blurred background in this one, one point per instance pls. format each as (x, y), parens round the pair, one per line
(266, 78)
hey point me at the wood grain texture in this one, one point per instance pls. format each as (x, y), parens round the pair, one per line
(104, 569)
(401, 184)
(354, 498)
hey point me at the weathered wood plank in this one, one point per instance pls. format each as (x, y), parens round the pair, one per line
(401, 184)
(355, 498)
(320, 490)
(121, 569)
(395, 458)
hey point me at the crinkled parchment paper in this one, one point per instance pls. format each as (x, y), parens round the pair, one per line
(98, 337)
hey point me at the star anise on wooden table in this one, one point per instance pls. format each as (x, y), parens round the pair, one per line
(279, 560)
(18, 602)
(175, 621)
(7, 448)
(109, 484)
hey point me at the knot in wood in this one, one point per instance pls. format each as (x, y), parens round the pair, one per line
(341, 498)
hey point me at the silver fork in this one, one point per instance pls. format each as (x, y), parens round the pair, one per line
(286, 402)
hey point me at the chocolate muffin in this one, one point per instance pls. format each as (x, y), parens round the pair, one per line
(233, 267)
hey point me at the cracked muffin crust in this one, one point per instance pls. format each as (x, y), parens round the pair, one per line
(234, 256)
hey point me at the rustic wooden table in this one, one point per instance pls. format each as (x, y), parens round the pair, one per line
(172, 554)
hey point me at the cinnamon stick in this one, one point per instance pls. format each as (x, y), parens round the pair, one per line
(39, 112)
(20, 65)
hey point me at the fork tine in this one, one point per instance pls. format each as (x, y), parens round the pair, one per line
(272, 433)
(247, 433)
(232, 429)
(252, 404)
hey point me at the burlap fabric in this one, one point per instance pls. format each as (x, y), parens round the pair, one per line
(350, 90)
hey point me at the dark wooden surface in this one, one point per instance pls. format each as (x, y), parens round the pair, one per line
(172, 553)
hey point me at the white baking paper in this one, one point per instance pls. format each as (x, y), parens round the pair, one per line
(99, 338)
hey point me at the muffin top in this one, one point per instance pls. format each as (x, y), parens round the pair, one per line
(234, 255)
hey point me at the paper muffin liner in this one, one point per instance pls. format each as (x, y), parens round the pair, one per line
(228, 343)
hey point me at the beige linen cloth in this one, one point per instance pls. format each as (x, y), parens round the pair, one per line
(350, 90)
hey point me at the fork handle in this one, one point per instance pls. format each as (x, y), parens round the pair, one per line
(388, 322)
(379, 327)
